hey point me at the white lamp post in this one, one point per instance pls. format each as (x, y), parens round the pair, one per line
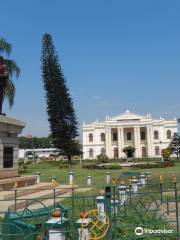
(108, 178)
(71, 178)
(89, 180)
(83, 228)
(122, 192)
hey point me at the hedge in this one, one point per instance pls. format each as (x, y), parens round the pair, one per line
(153, 165)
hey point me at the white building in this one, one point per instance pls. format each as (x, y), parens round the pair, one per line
(39, 152)
(148, 136)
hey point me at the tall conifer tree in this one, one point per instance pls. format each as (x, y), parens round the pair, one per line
(61, 114)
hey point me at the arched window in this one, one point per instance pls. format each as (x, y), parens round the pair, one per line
(103, 151)
(156, 135)
(169, 134)
(91, 153)
(144, 152)
(115, 137)
(116, 154)
(90, 137)
(157, 152)
(143, 136)
(129, 137)
(102, 137)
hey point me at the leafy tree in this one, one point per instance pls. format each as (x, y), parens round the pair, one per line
(61, 114)
(36, 142)
(129, 150)
(102, 158)
(13, 69)
(166, 153)
(175, 145)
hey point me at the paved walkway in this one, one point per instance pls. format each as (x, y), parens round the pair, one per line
(43, 192)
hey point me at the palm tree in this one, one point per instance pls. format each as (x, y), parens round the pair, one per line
(13, 70)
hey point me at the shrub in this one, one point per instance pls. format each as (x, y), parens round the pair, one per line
(153, 165)
(102, 158)
(90, 166)
(109, 167)
(29, 162)
(102, 166)
(25, 166)
(20, 162)
(63, 166)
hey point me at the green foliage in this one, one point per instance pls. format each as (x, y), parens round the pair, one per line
(61, 114)
(13, 69)
(36, 142)
(153, 165)
(166, 153)
(102, 158)
(93, 166)
(129, 149)
(175, 145)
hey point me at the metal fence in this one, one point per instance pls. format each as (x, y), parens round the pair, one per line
(121, 211)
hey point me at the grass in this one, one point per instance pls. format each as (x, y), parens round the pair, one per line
(124, 225)
(48, 170)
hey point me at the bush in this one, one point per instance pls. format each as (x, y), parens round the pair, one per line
(63, 166)
(102, 166)
(20, 162)
(25, 166)
(109, 167)
(29, 161)
(102, 158)
(153, 165)
(90, 166)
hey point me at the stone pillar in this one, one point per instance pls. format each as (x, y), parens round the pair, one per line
(137, 143)
(71, 178)
(83, 232)
(122, 192)
(121, 141)
(108, 178)
(37, 174)
(108, 143)
(149, 141)
(143, 180)
(89, 180)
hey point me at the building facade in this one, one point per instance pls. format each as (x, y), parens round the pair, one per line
(148, 136)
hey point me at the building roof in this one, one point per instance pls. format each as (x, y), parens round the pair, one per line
(127, 116)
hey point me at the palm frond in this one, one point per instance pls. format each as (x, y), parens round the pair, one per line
(5, 46)
(9, 92)
(13, 68)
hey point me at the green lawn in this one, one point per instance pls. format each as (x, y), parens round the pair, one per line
(48, 170)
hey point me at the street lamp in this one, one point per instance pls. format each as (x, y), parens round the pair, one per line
(29, 136)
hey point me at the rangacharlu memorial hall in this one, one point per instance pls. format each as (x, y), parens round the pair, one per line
(147, 135)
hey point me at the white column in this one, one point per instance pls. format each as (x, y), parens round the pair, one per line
(108, 143)
(149, 141)
(121, 142)
(137, 142)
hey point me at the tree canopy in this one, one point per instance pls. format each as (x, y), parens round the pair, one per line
(61, 114)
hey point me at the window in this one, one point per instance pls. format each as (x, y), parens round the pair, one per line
(91, 153)
(143, 136)
(144, 152)
(103, 151)
(116, 154)
(129, 137)
(90, 137)
(8, 157)
(157, 153)
(168, 134)
(156, 135)
(102, 137)
(115, 138)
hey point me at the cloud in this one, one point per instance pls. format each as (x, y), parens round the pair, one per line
(97, 98)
